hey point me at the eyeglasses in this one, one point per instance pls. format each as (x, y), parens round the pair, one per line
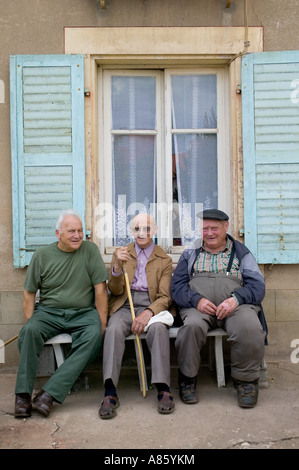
(142, 229)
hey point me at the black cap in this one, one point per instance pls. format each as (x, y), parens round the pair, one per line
(213, 214)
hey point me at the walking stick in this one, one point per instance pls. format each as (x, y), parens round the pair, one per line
(9, 341)
(137, 339)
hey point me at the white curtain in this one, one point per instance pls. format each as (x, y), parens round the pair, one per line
(194, 108)
(134, 155)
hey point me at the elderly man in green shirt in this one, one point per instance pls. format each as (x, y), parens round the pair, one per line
(71, 277)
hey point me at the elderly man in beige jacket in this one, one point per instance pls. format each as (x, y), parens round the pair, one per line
(149, 271)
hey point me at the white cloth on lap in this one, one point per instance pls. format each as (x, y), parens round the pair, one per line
(164, 317)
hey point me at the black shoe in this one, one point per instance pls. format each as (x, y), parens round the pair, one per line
(188, 393)
(23, 405)
(247, 393)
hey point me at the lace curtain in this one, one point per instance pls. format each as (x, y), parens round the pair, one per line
(194, 127)
(194, 151)
(134, 150)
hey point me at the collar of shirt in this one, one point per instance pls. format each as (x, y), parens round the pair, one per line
(227, 247)
(217, 262)
(147, 251)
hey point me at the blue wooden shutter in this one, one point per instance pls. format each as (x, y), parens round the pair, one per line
(270, 116)
(47, 146)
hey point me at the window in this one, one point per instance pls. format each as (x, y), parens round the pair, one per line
(164, 151)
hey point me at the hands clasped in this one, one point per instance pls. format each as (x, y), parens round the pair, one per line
(222, 311)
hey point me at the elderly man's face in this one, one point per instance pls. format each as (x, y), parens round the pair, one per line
(143, 230)
(71, 234)
(214, 235)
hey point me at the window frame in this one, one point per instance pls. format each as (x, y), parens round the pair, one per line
(164, 144)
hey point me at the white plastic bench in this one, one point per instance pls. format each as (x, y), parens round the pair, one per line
(59, 340)
(218, 334)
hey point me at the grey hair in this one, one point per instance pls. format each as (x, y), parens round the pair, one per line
(63, 214)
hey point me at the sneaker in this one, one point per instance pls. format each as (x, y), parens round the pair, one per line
(247, 393)
(188, 393)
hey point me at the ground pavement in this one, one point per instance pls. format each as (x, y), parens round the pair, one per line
(216, 422)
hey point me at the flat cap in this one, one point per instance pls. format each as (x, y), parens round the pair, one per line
(213, 214)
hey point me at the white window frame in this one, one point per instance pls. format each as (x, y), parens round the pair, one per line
(164, 145)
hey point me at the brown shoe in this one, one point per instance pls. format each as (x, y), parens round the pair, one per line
(165, 403)
(108, 407)
(42, 402)
(23, 406)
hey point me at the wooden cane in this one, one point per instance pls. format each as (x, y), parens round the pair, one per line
(9, 341)
(137, 339)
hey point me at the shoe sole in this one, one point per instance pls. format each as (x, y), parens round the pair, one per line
(190, 402)
(165, 412)
(246, 406)
(23, 415)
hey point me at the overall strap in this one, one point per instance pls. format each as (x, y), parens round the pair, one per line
(232, 254)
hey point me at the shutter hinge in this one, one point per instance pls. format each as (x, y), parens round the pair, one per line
(88, 234)
(241, 232)
(238, 90)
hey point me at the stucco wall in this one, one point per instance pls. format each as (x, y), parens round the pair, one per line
(37, 27)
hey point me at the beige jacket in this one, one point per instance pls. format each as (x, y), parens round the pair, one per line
(158, 273)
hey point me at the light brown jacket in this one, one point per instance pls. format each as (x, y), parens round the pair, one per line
(158, 273)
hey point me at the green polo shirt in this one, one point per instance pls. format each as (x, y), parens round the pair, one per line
(66, 280)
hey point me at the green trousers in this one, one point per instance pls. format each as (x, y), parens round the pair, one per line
(83, 325)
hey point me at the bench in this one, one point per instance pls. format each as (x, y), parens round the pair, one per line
(217, 333)
(215, 355)
(57, 342)
(64, 338)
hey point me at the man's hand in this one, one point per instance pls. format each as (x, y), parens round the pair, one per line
(141, 321)
(121, 255)
(205, 306)
(222, 311)
(226, 308)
